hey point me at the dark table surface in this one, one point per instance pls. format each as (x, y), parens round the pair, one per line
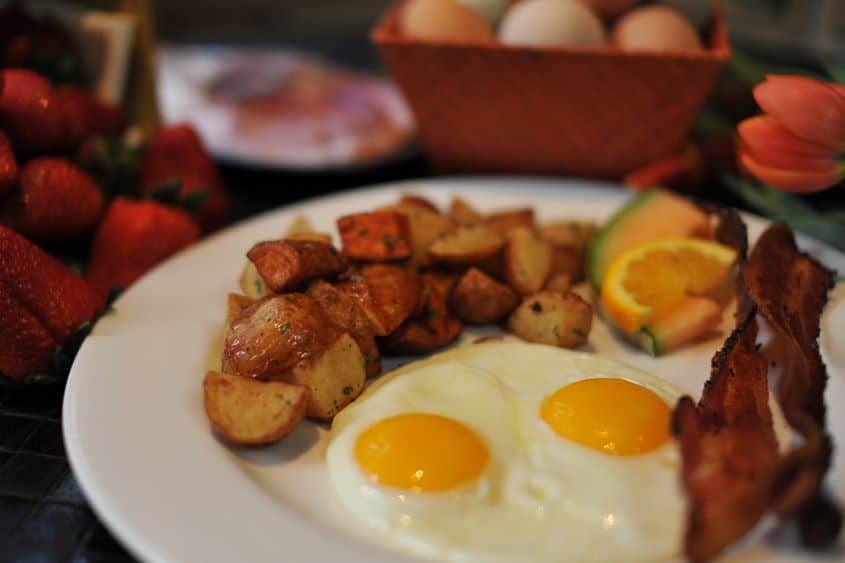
(44, 516)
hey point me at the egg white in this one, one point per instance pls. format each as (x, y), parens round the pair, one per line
(542, 497)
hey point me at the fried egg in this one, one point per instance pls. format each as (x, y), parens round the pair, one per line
(510, 451)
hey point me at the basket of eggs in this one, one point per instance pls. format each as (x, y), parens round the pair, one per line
(583, 87)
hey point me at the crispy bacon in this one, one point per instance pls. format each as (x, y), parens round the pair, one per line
(732, 470)
(728, 446)
(790, 289)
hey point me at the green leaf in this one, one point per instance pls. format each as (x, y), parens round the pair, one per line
(196, 201)
(836, 72)
(828, 226)
(753, 71)
(167, 193)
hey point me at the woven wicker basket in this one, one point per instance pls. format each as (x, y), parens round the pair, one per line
(584, 112)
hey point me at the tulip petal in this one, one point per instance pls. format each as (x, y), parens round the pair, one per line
(791, 180)
(775, 146)
(808, 108)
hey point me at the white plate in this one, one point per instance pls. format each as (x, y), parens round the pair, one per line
(283, 141)
(141, 447)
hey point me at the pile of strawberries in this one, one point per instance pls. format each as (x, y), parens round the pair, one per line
(68, 175)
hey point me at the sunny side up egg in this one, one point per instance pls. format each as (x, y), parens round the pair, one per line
(509, 451)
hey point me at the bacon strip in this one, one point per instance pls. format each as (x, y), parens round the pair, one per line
(728, 446)
(732, 471)
(790, 289)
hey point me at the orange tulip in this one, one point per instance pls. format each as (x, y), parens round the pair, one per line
(798, 146)
(793, 180)
(808, 108)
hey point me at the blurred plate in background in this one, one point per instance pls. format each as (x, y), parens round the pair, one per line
(285, 109)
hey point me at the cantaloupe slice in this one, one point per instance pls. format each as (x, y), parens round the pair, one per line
(651, 215)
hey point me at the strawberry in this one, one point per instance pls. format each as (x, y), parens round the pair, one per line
(8, 165)
(30, 112)
(26, 347)
(56, 199)
(133, 237)
(85, 115)
(176, 154)
(42, 304)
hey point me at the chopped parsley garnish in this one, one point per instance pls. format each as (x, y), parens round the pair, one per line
(283, 328)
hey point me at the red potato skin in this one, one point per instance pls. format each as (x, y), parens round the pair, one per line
(380, 236)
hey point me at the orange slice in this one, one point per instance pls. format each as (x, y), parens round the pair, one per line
(650, 280)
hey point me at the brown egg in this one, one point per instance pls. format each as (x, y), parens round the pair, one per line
(609, 8)
(443, 20)
(655, 28)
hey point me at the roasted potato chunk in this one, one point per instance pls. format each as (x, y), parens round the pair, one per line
(527, 260)
(504, 221)
(275, 333)
(334, 378)
(301, 229)
(425, 227)
(416, 337)
(342, 310)
(568, 261)
(468, 245)
(433, 328)
(235, 304)
(247, 412)
(419, 202)
(288, 264)
(444, 282)
(251, 283)
(379, 236)
(387, 294)
(569, 246)
(559, 282)
(463, 213)
(572, 234)
(549, 317)
(479, 299)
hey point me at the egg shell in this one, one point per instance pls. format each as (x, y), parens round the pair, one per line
(609, 9)
(551, 22)
(444, 20)
(698, 12)
(492, 10)
(655, 28)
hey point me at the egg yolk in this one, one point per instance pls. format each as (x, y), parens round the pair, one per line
(610, 415)
(421, 452)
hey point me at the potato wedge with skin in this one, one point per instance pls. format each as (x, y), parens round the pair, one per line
(247, 412)
(433, 328)
(334, 378)
(462, 212)
(572, 234)
(569, 261)
(415, 337)
(302, 229)
(425, 227)
(468, 245)
(235, 304)
(504, 221)
(288, 264)
(273, 334)
(444, 282)
(386, 293)
(559, 282)
(549, 317)
(419, 202)
(342, 310)
(251, 282)
(479, 299)
(527, 260)
(379, 236)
